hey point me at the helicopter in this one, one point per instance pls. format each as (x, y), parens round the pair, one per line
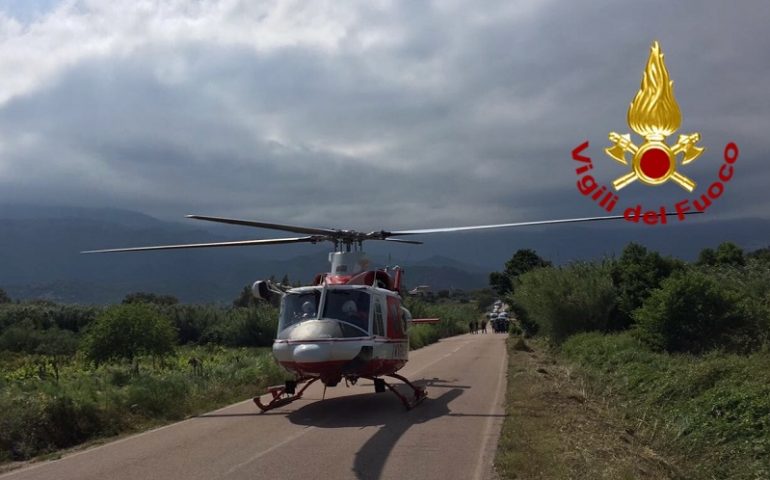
(348, 323)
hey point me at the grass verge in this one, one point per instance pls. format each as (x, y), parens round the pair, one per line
(554, 427)
(41, 414)
(711, 412)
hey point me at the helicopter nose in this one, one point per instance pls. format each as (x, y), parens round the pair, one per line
(312, 353)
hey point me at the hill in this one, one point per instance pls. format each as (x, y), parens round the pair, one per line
(40, 245)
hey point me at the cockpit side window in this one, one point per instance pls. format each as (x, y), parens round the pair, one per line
(350, 306)
(378, 323)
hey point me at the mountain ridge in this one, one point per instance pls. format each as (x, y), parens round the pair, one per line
(39, 253)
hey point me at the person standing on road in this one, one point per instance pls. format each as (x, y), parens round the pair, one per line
(483, 326)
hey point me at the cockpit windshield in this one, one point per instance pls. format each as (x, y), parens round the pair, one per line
(344, 314)
(349, 305)
(297, 307)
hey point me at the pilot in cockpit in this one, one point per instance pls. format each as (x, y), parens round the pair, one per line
(352, 315)
(308, 310)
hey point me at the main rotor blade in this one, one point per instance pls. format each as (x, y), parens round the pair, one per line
(413, 242)
(241, 243)
(506, 225)
(271, 226)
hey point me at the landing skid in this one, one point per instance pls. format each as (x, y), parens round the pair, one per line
(288, 389)
(285, 394)
(419, 393)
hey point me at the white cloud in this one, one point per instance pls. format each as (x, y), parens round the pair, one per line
(410, 112)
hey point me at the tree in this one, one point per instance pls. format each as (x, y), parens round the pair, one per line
(246, 298)
(726, 254)
(523, 261)
(483, 298)
(144, 297)
(4, 298)
(731, 254)
(127, 331)
(500, 283)
(707, 257)
(635, 275)
(761, 255)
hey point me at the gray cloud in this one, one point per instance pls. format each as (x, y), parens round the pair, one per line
(392, 114)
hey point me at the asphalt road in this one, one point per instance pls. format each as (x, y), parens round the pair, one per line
(353, 433)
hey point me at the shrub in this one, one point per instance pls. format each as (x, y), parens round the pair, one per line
(691, 312)
(244, 327)
(567, 300)
(635, 275)
(126, 331)
(454, 320)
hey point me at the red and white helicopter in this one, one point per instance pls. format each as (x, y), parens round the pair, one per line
(350, 322)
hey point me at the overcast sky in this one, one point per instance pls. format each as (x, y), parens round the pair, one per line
(366, 114)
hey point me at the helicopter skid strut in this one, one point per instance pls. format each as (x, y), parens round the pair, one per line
(284, 395)
(279, 391)
(419, 393)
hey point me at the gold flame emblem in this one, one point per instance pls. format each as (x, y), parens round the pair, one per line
(654, 114)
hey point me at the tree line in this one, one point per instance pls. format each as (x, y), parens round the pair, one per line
(722, 300)
(143, 324)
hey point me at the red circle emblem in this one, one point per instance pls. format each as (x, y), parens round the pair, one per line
(655, 163)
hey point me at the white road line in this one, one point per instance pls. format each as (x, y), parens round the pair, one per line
(308, 429)
(265, 452)
(445, 356)
(479, 474)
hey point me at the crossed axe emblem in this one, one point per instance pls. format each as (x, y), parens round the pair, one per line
(654, 162)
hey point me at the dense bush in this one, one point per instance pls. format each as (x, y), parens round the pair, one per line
(454, 320)
(635, 275)
(4, 298)
(527, 326)
(244, 327)
(24, 338)
(750, 284)
(42, 316)
(692, 312)
(126, 331)
(146, 297)
(567, 300)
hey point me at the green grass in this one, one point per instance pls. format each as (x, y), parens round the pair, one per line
(40, 414)
(555, 430)
(712, 411)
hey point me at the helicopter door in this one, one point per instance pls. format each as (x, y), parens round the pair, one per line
(395, 326)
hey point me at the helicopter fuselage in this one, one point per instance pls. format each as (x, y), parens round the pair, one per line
(336, 331)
